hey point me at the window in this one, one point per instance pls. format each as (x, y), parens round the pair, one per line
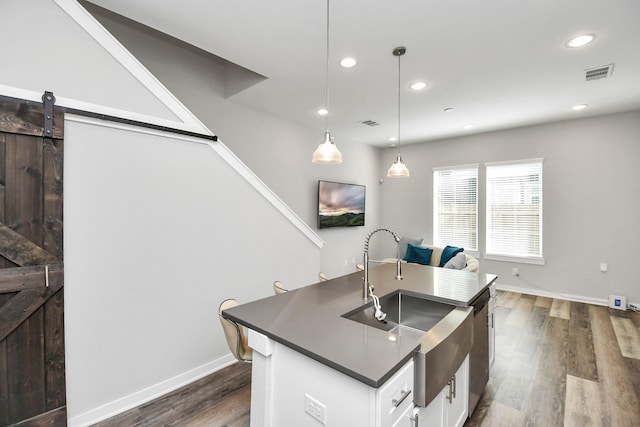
(514, 210)
(455, 207)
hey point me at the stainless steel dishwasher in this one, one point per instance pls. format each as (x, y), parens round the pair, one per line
(479, 354)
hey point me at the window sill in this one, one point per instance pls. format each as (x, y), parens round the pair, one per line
(516, 259)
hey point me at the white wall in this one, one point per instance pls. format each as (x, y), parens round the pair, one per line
(159, 229)
(591, 209)
(278, 151)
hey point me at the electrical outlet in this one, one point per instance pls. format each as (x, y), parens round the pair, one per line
(618, 302)
(515, 272)
(604, 267)
(316, 409)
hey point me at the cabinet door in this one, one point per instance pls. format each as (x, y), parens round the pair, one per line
(492, 330)
(433, 415)
(456, 397)
(451, 407)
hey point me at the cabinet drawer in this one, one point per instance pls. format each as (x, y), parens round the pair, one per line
(407, 418)
(395, 396)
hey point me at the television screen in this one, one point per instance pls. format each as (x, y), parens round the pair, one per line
(340, 204)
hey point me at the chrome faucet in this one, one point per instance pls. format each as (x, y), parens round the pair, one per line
(367, 289)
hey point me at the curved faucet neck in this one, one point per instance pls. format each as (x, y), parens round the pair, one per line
(366, 241)
(367, 289)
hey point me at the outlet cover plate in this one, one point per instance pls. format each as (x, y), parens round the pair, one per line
(618, 302)
(316, 409)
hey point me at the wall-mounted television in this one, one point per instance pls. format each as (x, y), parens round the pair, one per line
(340, 204)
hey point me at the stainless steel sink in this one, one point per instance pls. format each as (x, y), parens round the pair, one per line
(403, 310)
(445, 338)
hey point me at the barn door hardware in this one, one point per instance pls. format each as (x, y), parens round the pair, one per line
(48, 99)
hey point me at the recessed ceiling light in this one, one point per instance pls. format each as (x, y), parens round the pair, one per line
(581, 40)
(393, 139)
(322, 112)
(579, 107)
(348, 62)
(418, 85)
(448, 110)
(469, 126)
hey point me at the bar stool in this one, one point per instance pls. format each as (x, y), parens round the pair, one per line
(236, 338)
(279, 288)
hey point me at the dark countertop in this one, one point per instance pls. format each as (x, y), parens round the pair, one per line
(309, 320)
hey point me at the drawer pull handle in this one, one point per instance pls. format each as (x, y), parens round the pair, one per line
(454, 386)
(452, 389)
(403, 396)
(415, 419)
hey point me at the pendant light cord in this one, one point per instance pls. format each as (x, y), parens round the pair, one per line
(399, 104)
(326, 94)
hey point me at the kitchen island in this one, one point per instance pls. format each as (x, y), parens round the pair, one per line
(311, 363)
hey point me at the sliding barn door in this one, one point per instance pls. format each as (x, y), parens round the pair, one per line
(32, 380)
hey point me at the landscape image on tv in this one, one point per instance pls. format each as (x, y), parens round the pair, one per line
(340, 205)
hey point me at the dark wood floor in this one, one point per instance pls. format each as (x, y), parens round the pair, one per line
(558, 363)
(220, 399)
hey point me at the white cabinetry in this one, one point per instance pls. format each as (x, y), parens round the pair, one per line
(451, 407)
(291, 389)
(492, 325)
(407, 419)
(395, 397)
(456, 399)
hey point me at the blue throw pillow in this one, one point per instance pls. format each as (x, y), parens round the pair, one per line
(418, 254)
(447, 253)
(404, 241)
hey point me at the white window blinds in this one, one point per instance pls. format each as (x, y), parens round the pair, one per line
(514, 209)
(455, 207)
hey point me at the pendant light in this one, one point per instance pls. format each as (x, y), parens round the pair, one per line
(327, 152)
(398, 169)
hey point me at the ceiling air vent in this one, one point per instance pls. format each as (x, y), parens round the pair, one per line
(599, 72)
(369, 123)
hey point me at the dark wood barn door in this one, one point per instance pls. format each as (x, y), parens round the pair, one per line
(32, 373)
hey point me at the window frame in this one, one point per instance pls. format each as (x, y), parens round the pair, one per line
(527, 258)
(436, 205)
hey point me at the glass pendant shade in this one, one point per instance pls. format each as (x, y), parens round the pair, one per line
(398, 169)
(327, 152)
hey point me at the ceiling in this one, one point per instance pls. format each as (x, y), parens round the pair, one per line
(498, 63)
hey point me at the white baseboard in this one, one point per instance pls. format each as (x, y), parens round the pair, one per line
(138, 398)
(549, 294)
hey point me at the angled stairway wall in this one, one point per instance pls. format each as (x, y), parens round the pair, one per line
(159, 228)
